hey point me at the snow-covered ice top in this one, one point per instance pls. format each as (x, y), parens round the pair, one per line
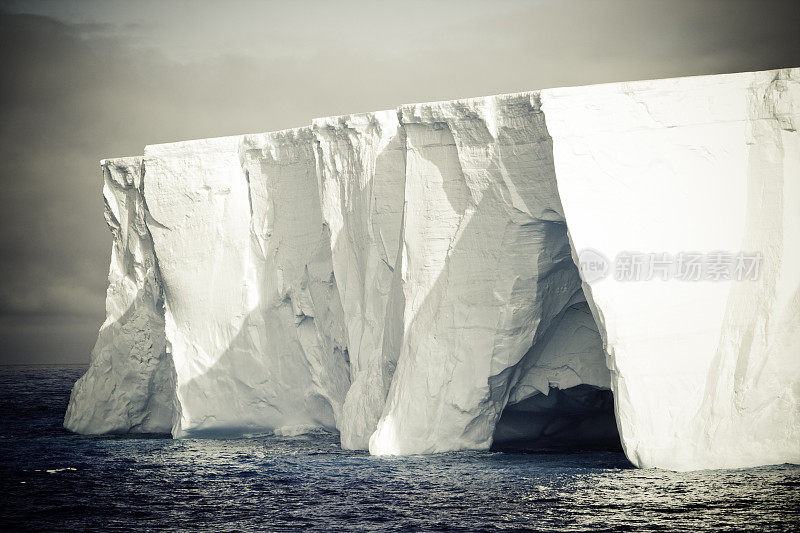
(406, 276)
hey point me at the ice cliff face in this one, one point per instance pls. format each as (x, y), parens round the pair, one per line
(252, 312)
(130, 386)
(706, 373)
(361, 168)
(410, 277)
(484, 269)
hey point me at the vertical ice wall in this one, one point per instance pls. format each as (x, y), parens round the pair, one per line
(252, 314)
(361, 168)
(406, 276)
(705, 373)
(130, 385)
(752, 392)
(485, 267)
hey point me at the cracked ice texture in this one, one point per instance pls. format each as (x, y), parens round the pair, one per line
(403, 276)
(485, 267)
(130, 384)
(361, 166)
(252, 314)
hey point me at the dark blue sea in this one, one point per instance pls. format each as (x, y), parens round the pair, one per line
(53, 480)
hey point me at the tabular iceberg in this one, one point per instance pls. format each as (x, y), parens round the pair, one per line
(416, 279)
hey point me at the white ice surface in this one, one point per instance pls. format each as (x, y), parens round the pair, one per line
(705, 373)
(402, 276)
(253, 317)
(484, 267)
(361, 168)
(130, 385)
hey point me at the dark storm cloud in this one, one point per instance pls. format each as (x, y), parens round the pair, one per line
(118, 76)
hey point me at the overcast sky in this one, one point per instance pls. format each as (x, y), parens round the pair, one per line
(86, 80)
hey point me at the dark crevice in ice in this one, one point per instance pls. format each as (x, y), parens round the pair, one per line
(578, 418)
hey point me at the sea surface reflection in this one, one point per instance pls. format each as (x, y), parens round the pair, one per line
(53, 480)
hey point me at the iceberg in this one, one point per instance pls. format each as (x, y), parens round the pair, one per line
(615, 264)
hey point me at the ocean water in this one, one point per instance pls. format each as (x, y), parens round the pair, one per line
(52, 480)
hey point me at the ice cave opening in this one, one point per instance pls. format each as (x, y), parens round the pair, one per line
(578, 418)
(563, 400)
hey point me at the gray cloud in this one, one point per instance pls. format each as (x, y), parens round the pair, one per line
(86, 80)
